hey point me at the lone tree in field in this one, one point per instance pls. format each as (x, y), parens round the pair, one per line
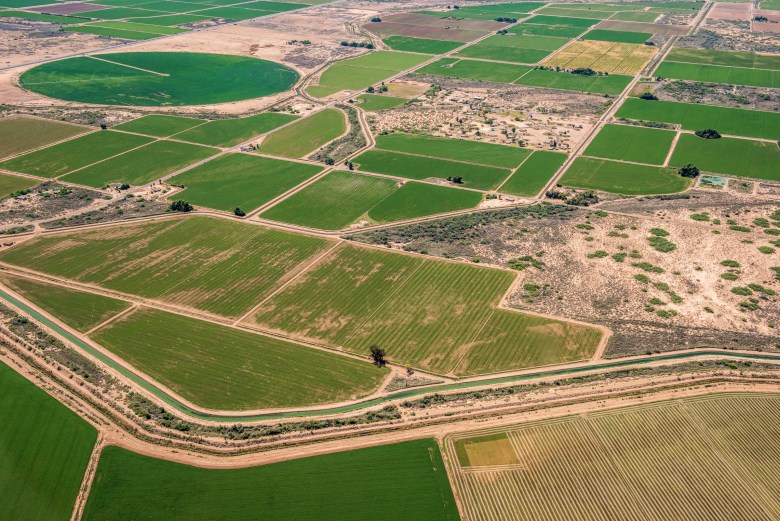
(180, 206)
(689, 170)
(708, 133)
(378, 356)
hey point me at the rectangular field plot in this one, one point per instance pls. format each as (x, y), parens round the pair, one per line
(45, 452)
(593, 15)
(730, 121)
(612, 84)
(475, 70)
(491, 12)
(223, 368)
(305, 135)
(409, 166)
(342, 486)
(62, 158)
(10, 184)
(732, 156)
(665, 460)
(514, 48)
(617, 36)
(374, 102)
(332, 202)
(142, 165)
(719, 74)
(231, 132)
(534, 173)
(363, 71)
(210, 264)
(725, 58)
(611, 57)
(80, 310)
(171, 20)
(623, 178)
(420, 199)
(628, 143)
(456, 149)
(421, 45)
(530, 28)
(39, 17)
(431, 314)
(19, 133)
(159, 125)
(241, 181)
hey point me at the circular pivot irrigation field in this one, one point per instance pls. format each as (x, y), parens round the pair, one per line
(158, 78)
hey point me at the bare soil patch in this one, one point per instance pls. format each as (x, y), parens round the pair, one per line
(730, 11)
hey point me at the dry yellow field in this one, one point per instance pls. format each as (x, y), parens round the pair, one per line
(612, 57)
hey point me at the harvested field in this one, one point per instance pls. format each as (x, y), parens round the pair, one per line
(241, 181)
(19, 133)
(629, 143)
(641, 27)
(220, 266)
(159, 126)
(305, 135)
(730, 11)
(46, 449)
(611, 57)
(623, 178)
(666, 460)
(231, 132)
(533, 174)
(340, 486)
(457, 330)
(731, 156)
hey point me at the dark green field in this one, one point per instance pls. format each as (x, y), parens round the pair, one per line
(514, 48)
(305, 135)
(44, 451)
(420, 199)
(406, 481)
(629, 143)
(617, 36)
(612, 84)
(421, 45)
(623, 178)
(222, 368)
(241, 180)
(732, 156)
(167, 78)
(231, 132)
(545, 30)
(534, 173)
(159, 125)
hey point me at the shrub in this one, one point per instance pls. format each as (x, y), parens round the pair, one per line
(642, 278)
(766, 249)
(741, 290)
(700, 216)
(646, 266)
(661, 244)
(689, 171)
(659, 232)
(762, 289)
(666, 313)
(708, 133)
(598, 254)
(180, 206)
(729, 276)
(239, 212)
(729, 263)
(649, 96)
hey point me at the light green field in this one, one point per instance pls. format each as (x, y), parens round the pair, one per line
(214, 265)
(623, 178)
(119, 13)
(19, 134)
(534, 173)
(223, 368)
(171, 20)
(363, 71)
(630, 143)
(240, 181)
(593, 15)
(514, 48)
(636, 16)
(562, 31)
(142, 165)
(112, 32)
(80, 310)
(374, 102)
(231, 132)
(426, 313)
(305, 135)
(421, 45)
(772, 5)
(420, 199)
(580, 23)
(719, 74)
(332, 202)
(158, 125)
(342, 485)
(45, 452)
(10, 184)
(408, 166)
(60, 159)
(732, 156)
(617, 36)
(665, 460)
(475, 70)
(487, 154)
(725, 58)
(736, 122)
(612, 84)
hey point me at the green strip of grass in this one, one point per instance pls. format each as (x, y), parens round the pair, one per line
(623, 178)
(231, 132)
(534, 173)
(374, 103)
(13, 183)
(306, 135)
(158, 125)
(612, 84)
(719, 74)
(629, 143)
(603, 35)
(421, 45)
(475, 70)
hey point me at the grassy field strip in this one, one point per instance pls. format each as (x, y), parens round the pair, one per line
(8, 151)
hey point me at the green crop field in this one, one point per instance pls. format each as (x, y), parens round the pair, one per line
(363, 71)
(593, 15)
(419, 167)
(719, 74)
(636, 16)
(13, 183)
(487, 154)
(156, 30)
(112, 32)
(617, 36)
(580, 23)
(142, 165)
(421, 45)
(514, 48)
(374, 102)
(231, 132)
(410, 476)
(725, 58)
(420, 199)
(210, 264)
(629, 143)
(534, 173)
(612, 84)
(665, 460)
(167, 78)
(732, 156)
(305, 135)
(475, 70)
(80, 310)
(172, 20)
(435, 315)
(737, 122)
(45, 449)
(19, 134)
(60, 159)
(159, 126)
(241, 181)
(562, 31)
(623, 178)
(223, 368)
(332, 202)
